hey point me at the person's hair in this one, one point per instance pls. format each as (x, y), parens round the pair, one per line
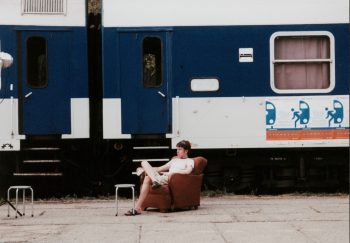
(186, 145)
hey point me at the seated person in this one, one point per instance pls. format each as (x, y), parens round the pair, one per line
(158, 176)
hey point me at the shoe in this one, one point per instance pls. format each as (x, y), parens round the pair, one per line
(132, 213)
(155, 185)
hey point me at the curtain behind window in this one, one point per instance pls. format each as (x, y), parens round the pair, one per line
(302, 75)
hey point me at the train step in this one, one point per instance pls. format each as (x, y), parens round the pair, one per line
(25, 174)
(40, 157)
(42, 149)
(151, 147)
(156, 151)
(151, 153)
(42, 161)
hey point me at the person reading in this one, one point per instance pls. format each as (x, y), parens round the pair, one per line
(157, 176)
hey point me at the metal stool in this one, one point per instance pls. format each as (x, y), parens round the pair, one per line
(117, 186)
(23, 188)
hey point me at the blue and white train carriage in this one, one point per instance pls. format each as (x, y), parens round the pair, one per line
(252, 84)
(45, 90)
(44, 94)
(227, 74)
(260, 88)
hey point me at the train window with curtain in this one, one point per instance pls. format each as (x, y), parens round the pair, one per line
(302, 62)
(37, 62)
(152, 61)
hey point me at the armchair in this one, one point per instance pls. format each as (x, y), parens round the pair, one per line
(182, 191)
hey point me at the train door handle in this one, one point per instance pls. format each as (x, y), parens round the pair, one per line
(161, 94)
(29, 94)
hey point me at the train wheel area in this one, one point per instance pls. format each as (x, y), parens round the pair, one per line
(104, 164)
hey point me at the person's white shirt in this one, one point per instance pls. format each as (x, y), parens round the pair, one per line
(178, 164)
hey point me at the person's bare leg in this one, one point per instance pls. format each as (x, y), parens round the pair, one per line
(143, 193)
(149, 170)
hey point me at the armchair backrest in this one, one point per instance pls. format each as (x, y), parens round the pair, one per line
(199, 165)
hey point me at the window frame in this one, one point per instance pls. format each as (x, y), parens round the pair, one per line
(330, 61)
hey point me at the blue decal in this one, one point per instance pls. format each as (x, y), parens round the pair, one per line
(302, 115)
(270, 113)
(336, 115)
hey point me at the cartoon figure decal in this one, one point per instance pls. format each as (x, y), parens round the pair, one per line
(336, 115)
(302, 115)
(270, 113)
(307, 118)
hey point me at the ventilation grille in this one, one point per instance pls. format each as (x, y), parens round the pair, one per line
(44, 6)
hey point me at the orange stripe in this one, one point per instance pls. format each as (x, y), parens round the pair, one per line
(307, 134)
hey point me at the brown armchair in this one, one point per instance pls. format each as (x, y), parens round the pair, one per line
(182, 191)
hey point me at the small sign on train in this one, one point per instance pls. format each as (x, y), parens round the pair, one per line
(245, 54)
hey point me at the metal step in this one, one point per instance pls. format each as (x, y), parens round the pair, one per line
(152, 147)
(42, 148)
(152, 160)
(42, 161)
(38, 174)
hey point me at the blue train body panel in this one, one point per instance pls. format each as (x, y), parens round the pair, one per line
(212, 52)
(46, 110)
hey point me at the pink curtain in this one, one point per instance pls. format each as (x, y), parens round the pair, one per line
(306, 75)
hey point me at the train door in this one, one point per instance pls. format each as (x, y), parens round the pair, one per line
(144, 59)
(45, 82)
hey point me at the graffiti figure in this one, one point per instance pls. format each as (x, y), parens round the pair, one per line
(336, 115)
(303, 115)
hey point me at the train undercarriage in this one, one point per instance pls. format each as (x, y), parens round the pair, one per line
(57, 168)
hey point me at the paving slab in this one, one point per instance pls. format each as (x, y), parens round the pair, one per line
(228, 218)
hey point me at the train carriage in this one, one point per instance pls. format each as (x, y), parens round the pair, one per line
(207, 71)
(261, 88)
(46, 87)
(44, 95)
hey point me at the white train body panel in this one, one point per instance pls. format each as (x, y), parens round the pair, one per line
(80, 120)
(112, 121)
(73, 14)
(222, 12)
(240, 123)
(9, 137)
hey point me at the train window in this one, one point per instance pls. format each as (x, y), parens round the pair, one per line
(152, 61)
(37, 62)
(204, 84)
(302, 62)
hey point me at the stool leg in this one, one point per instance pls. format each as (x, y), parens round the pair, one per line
(8, 204)
(16, 201)
(24, 207)
(32, 192)
(116, 201)
(133, 199)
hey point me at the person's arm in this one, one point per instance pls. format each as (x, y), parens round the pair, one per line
(164, 168)
(186, 171)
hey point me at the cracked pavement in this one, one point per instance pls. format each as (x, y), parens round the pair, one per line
(229, 218)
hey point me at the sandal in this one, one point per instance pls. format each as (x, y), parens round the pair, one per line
(132, 213)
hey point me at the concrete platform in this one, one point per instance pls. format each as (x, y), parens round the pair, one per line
(230, 218)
